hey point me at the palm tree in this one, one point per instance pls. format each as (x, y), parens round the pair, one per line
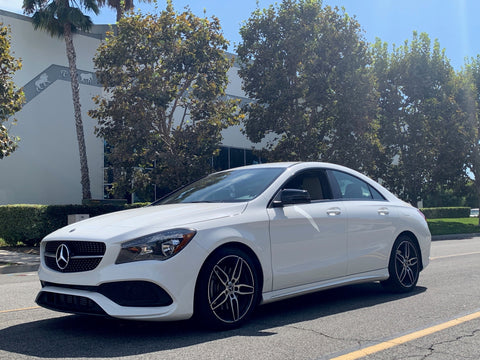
(121, 6)
(60, 18)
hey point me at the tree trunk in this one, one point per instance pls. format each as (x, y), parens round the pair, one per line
(119, 10)
(72, 62)
(477, 187)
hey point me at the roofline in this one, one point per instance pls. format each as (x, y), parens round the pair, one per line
(97, 31)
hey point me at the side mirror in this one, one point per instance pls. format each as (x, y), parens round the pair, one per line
(291, 196)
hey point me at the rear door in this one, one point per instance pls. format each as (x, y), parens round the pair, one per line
(371, 222)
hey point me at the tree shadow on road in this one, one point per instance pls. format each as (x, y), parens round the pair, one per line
(74, 336)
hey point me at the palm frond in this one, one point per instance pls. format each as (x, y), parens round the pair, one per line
(43, 19)
(91, 5)
(78, 19)
(51, 16)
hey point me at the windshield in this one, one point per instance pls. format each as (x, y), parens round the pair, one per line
(226, 186)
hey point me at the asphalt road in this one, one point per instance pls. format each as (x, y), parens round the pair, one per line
(440, 320)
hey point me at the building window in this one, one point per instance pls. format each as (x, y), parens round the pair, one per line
(228, 157)
(231, 157)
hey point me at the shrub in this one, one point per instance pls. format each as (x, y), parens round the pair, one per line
(446, 212)
(30, 223)
(23, 223)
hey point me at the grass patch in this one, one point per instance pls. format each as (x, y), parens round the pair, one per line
(453, 226)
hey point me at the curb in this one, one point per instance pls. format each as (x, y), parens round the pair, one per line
(455, 237)
(12, 262)
(17, 268)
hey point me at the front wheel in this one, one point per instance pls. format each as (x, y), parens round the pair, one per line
(227, 290)
(404, 265)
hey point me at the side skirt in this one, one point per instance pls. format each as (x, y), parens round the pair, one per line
(376, 275)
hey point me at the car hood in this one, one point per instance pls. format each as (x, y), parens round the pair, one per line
(133, 223)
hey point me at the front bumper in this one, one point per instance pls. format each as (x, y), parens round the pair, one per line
(93, 303)
(142, 290)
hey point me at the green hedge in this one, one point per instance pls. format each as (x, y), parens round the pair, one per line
(446, 212)
(30, 223)
(24, 223)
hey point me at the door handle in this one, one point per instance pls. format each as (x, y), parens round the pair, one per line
(334, 211)
(383, 211)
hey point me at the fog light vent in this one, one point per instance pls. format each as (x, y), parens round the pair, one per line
(135, 293)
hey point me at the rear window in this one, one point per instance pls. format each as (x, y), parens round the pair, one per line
(349, 187)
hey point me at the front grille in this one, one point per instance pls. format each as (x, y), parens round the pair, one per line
(69, 303)
(80, 247)
(77, 256)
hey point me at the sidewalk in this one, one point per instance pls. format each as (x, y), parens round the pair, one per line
(15, 262)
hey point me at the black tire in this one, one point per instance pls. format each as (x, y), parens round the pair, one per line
(227, 290)
(404, 265)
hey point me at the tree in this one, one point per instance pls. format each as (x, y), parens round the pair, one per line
(421, 125)
(60, 18)
(11, 98)
(470, 101)
(306, 69)
(164, 106)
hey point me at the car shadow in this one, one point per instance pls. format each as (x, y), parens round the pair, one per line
(74, 336)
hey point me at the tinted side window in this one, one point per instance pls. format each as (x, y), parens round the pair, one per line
(315, 182)
(376, 195)
(346, 186)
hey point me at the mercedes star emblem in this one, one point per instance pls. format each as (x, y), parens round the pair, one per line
(62, 256)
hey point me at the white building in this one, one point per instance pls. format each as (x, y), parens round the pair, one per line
(45, 169)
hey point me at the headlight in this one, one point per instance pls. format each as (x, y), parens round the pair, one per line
(158, 246)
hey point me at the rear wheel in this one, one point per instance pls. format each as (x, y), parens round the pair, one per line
(404, 265)
(227, 290)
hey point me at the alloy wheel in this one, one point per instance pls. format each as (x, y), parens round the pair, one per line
(406, 264)
(231, 289)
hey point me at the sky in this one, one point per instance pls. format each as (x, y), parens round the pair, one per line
(454, 23)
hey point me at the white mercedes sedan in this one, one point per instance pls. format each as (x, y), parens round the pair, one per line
(218, 247)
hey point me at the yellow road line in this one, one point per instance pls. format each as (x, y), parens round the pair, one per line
(454, 255)
(12, 310)
(406, 338)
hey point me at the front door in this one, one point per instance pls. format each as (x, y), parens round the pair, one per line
(308, 241)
